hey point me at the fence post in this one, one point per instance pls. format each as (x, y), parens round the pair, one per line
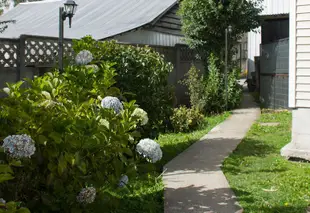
(21, 58)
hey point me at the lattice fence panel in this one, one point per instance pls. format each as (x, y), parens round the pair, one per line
(43, 51)
(8, 53)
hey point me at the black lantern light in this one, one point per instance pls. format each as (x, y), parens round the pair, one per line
(69, 10)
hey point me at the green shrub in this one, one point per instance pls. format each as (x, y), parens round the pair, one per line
(234, 89)
(185, 119)
(82, 144)
(142, 75)
(196, 88)
(207, 92)
(214, 91)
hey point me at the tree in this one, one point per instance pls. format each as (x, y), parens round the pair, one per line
(204, 23)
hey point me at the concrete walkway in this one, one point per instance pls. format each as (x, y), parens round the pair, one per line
(194, 182)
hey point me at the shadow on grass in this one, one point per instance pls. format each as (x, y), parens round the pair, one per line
(251, 147)
(248, 148)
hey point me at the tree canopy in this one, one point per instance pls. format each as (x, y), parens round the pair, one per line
(204, 22)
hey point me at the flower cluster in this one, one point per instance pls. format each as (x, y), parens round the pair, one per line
(142, 115)
(112, 103)
(93, 66)
(19, 146)
(149, 149)
(83, 58)
(123, 181)
(87, 195)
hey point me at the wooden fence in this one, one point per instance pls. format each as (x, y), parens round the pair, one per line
(33, 55)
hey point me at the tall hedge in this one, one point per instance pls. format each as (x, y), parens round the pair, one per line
(142, 74)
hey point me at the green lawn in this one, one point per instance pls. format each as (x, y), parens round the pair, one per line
(262, 180)
(145, 195)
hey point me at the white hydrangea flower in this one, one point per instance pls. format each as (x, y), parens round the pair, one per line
(142, 115)
(50, 104)
(84, 57)
(93, 66)
(87, 195)
(149, 149)
(2, 201)
(7, 90)
(123, 181)
(19, 146)
(112, 103)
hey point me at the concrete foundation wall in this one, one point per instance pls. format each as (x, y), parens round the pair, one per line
(300, 144)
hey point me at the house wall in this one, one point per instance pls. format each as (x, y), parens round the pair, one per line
(299, 80)
(300, 60)
(148, 37)
(270, 7)
(164, 31)
(170, 23)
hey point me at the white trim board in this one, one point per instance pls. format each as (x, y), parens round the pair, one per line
(292, 61)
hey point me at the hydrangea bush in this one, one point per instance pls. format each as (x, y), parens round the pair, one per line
(59, 135)
(142, 75)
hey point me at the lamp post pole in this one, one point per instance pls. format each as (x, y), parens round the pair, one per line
(227, 31)
(67, 11)
(60, 39)
(226, 68)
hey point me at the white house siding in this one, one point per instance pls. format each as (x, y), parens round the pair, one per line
(271, 7)
(150, 38)
(300, 60)
(299, 94)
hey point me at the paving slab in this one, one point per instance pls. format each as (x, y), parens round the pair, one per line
(194, 182)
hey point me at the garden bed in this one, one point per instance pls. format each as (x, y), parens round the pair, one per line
(262, 180)
(145, 194)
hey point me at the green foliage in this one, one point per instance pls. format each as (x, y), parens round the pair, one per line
(142, 75)
(184, 119)
(207, 92)
(195, 83)
(78, 143)
(204, 23)
(234, 89)
(215, 88)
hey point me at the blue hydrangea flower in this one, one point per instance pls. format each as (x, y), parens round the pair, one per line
(84, 57)
(150, 150)
(87, 195)
(123, 181)
(142, 115)
(112, 103)
(19, 146)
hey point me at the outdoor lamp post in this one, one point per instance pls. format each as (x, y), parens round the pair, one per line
(65, 12)
(227, 30)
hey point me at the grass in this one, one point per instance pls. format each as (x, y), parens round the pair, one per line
(145, 195)
(263, 181)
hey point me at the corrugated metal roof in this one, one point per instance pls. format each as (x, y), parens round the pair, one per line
(99, 18)
(275, 7)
